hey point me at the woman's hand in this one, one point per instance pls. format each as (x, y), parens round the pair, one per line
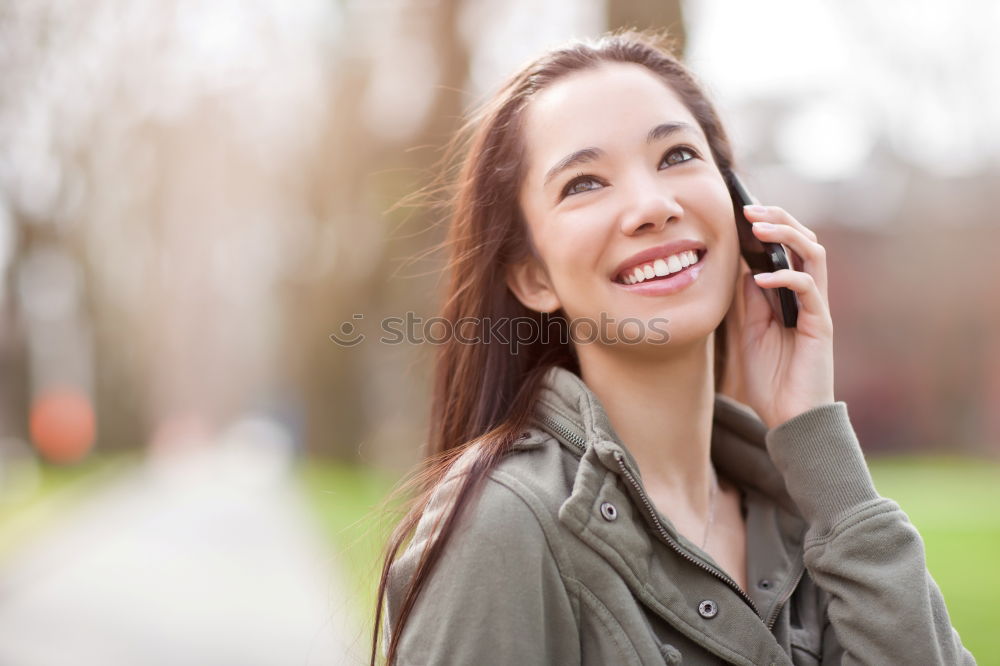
(781, 372)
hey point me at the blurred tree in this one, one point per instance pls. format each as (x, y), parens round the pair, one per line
(14, 383)
(352, 395)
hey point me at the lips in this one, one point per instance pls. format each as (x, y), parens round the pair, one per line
(650, 255)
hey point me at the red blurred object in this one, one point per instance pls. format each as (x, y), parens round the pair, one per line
(62, 424)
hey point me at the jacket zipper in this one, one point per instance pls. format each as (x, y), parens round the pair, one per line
(568, 434)
(581, 443)
(675, 546)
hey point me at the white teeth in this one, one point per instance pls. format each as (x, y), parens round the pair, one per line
(661, 267)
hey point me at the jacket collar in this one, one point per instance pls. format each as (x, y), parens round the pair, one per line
(570, 411)
(567, 409)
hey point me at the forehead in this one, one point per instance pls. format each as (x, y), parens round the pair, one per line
(599, 107)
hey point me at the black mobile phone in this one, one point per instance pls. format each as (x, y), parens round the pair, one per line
(762, 257)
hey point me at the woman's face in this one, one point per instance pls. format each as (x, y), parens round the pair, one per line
(619, 175)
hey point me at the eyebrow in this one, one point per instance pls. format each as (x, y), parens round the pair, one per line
(592, 153)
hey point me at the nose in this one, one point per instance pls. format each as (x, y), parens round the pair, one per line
(650, 206)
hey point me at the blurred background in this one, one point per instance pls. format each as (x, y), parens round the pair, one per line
(194, 196)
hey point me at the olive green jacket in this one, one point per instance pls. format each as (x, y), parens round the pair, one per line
(563, 559)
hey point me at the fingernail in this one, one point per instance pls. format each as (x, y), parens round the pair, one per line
(755, 209)
(763, 226)
(761, 276)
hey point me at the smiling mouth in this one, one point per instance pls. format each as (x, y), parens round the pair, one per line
(660, 269)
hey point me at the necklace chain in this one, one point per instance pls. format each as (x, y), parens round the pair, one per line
(711, 507)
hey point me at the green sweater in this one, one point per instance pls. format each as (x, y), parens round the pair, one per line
(562, 558)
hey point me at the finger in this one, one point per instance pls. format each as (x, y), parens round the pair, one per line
(813, 254)
(808, 249)
(805, 288)
(798, 263)
(777, 215)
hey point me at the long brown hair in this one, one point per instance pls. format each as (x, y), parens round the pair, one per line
(483, 393)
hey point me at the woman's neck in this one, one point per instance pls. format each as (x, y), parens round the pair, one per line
(662, 411)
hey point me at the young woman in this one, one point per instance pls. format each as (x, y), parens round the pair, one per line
(647, 467)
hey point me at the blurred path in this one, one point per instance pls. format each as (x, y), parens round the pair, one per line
(206, 559)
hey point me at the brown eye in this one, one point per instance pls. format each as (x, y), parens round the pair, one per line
(581, 184)
(685, 152)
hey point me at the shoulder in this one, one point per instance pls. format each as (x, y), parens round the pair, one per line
(504, 548)
(530, 483)
(514, 508)
(539, 470)
(507, 531)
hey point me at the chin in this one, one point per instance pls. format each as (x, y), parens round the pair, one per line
(692, 324)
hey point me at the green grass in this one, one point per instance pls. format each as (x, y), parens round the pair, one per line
(346, 498)
(36, 495)
(953, 503)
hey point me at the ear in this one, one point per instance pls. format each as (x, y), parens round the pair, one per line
(531, 285)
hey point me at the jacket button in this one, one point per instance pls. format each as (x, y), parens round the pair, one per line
(708, 609)
(609, 511)
(764, 584)
(525, 435)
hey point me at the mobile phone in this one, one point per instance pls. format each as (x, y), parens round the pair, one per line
(762, 257)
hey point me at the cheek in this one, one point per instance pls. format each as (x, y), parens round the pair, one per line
(728, 249)
(724, 222)
(729, 238)
(574, 241)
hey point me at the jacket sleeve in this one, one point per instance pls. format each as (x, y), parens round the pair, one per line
(861, 549)
(496, 596)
